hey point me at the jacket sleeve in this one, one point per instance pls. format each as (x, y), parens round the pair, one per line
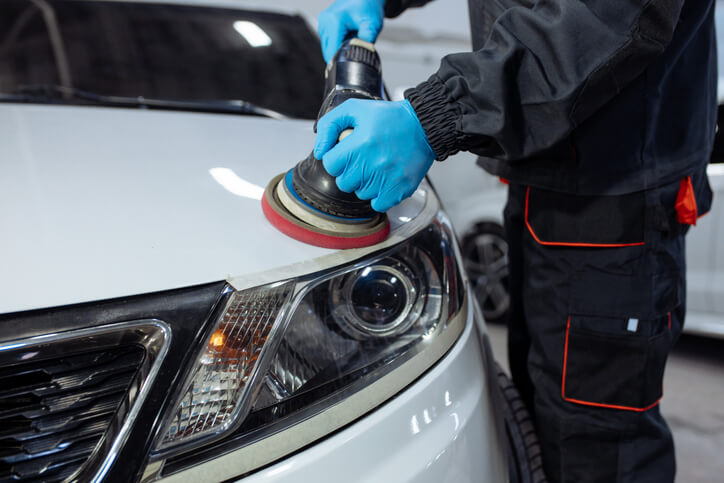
(393, 8)
(542, 71)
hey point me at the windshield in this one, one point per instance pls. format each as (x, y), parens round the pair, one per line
(162, 51)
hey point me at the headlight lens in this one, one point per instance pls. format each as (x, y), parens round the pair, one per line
(386, 298)
(284, 352)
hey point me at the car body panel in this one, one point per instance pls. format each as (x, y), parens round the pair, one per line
(701, 255)
(716, 179)
(481, 203)
(705, 265)
(129, 201)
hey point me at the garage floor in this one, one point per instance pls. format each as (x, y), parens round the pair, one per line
(693, 403)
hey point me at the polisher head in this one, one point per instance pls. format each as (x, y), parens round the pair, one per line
(290, 214)
(305, 203)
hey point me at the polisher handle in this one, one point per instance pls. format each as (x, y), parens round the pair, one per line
(344, 134)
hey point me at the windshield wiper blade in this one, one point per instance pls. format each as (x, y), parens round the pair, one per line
(45, 92)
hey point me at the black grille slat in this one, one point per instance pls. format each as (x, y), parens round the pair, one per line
(79, 399)
(53, 413)
(64, 402)
(23, 383)
(57, 441)
(63, 377)
(44, 465)
(88, 377)
(58, 396)
(64, 422)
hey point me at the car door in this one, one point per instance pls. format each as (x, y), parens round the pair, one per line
(705, 256)
(715, 255)
(701, 250)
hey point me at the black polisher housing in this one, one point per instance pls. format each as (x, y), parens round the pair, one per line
(332, 218)
(355, 72)
(319, 189)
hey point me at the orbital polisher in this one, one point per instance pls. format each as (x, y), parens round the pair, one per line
(305, 202)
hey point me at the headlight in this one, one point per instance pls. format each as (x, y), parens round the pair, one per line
(283, 353)
(386, 298)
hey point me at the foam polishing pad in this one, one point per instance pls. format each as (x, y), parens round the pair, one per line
(296, 219)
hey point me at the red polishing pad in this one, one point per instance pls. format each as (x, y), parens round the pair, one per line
(304, 232)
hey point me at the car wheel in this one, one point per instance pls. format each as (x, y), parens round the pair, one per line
(485, 255)
(524, 459)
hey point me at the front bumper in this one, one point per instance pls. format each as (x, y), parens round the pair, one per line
(445, 427)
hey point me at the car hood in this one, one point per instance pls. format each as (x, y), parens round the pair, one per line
(99, 203)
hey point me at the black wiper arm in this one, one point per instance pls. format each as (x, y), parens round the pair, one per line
(41, 92)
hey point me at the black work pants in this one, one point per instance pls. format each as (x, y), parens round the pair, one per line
(597, 287)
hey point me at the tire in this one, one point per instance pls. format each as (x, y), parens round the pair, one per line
(485, 256)
(524, 452)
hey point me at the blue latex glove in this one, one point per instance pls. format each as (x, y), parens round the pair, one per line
(344, 16)
(385, 157)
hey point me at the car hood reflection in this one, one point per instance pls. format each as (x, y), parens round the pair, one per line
(104, 202)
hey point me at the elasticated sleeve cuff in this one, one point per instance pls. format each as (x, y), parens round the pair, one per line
(393, 8)
(437, 115)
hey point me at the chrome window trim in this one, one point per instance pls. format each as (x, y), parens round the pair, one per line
(273, 447)
(153, 334)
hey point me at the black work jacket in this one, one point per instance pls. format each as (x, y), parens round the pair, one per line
(581, 96)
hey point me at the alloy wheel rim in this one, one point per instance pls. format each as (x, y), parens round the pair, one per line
(486, 262)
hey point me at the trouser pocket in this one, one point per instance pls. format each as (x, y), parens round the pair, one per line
(615, 363)
(568, 220)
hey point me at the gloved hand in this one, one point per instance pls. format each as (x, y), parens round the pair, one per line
(345, 16)
(385, 157)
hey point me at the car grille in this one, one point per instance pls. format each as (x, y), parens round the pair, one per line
(55, 412)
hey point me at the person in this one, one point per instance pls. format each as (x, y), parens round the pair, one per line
(601, 115)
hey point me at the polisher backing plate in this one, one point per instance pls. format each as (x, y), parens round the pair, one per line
(298, 208)
(284, 221)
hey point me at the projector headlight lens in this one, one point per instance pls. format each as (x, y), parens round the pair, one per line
(283, 353)
(383, 299)
(379, 297)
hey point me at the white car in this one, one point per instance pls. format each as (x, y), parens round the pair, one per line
(154, 325)
(411, 47)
